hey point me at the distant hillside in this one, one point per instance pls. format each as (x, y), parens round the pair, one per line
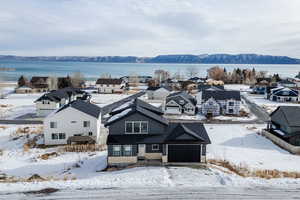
(205, 59)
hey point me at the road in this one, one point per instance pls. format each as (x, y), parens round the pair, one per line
(165, 193)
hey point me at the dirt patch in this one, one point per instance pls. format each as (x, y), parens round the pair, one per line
(35, 177)
(47, 156)
(43, 191)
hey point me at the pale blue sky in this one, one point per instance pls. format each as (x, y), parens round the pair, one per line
(149, 27)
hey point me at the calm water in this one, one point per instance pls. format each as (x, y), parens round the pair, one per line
(93, 70)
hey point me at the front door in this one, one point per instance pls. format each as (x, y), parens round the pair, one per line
(142, 149)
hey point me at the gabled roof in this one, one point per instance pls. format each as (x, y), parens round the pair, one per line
(283, 91)
(189, 98)
(87, 108)
(202, 87)
(58, 95)
(221, 95)
(115, 81)
(180, 131)
(288, 115)
(39, 80)
(140, 107)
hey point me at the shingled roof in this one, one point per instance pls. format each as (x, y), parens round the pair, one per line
(58, 95)
(288, 115)
(87, 108)
(110, 81)
(221, 95)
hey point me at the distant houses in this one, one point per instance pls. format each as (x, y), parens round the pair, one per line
(139, 132)
(158, 93)
(110, 85)
(78, 122)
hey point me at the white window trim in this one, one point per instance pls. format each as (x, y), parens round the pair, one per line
(155, 149)
(140, 122)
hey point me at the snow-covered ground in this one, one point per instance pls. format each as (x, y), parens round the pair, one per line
(16, 105)
(241, 145)
(240, 87)
(266, 104)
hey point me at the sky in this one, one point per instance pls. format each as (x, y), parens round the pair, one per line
(149, 27)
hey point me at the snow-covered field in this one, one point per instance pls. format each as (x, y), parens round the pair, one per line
(105, 99)
(240, 87)
(241, 145)
(17, 105)
(266, 104)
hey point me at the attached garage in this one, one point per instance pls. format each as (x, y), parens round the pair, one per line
(184, 153)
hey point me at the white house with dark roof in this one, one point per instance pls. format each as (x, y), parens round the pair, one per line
(53, 100)
(110, 85)
(283, 94)
(180, 102)
(77, 122)
(214, 102)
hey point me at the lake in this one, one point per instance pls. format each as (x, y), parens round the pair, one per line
(93, 70)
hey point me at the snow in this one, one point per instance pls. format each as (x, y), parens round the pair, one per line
(240, 87)
(125, 105)
(105, 99)
(266, 104)
(241, 145)
(18, 105)
(119, 115)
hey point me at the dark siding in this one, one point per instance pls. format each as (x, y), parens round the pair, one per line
(164, 150)
(110, 150)
(203, 150)
(149, 149)
(118, 128)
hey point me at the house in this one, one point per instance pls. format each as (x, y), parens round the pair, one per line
(286, 83)
(158, 93)
(77, 122)
(285, 124)
(23, 90)
(260, 87)
(214, 102)
(283, 94)
(53, 100)
(179, 103)
(139, 132)
(198, 79)
(40, 83)
(110, 85)
(172, 83)
(202, 87)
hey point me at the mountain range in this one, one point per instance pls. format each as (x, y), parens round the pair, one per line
(204, 59)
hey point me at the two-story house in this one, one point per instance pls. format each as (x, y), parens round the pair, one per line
(138, 131)
(110, 85)
(78, 122)
(179, 103)
(214, 102)
(53, 100)
(40, 83)
(283, 94)
(158, 93)
(285, 124)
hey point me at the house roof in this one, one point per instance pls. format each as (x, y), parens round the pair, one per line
(202, 87)
(176, 96)
(283, 91)
(176, 132)
(39, 79)
(115, 81)
(288, 115)
(83, 106)
(57, 95)
(221, 95)
(285, 82)
(140, 107)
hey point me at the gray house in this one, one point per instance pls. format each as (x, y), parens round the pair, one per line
(285, 123)
(214, 102)
(179, 103)
(158, 93)
(138, 131)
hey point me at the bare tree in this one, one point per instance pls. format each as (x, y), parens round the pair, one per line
(161, 75)
(216, 73)
(134, 80)
(53, 83)
(77, 79)
(192, 72)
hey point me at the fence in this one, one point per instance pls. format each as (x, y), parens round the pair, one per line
(84, 148)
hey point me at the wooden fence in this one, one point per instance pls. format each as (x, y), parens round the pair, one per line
(84, 148)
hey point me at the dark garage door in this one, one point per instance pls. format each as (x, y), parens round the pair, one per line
(183, 153)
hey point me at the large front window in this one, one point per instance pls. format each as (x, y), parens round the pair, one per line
(136, 127)
(117, 150)
(127, 150)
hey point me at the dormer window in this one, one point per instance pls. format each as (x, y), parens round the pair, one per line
(136, 127)
(181, 102)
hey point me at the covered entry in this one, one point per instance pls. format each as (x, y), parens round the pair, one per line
(184, 153)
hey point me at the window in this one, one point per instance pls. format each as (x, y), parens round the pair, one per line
(116, 150)
(231, 103)
(127, 150)
(62, 136)
(136, 127)
(90, 133)
(129, 127)
(181, 102)
(53, 124)
(155, 147)
(54, 136)
(86, 123)
(230, 111)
